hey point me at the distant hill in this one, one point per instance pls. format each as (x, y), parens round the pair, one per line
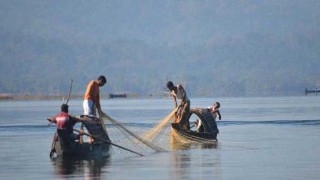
(214, 49)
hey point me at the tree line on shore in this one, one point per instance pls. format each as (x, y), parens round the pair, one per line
(253, 65)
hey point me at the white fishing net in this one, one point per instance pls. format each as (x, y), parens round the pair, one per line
(144, 139)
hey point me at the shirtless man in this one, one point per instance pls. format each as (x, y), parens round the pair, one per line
(91, 100)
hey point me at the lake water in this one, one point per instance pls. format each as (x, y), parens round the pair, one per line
(260, 138)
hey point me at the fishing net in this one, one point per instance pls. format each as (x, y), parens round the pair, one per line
(137, 137)
(145, 139)
(131, 139)
(158, 133)
(127, 140)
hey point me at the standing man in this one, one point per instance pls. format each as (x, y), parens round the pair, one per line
(92, 97)
(183, 111)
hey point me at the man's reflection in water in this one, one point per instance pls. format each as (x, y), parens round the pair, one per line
(182, 164)
(73, 167)
(209, 146)
(195, 165)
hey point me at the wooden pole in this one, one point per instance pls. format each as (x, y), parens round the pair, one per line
(108, 142)
(70, 88)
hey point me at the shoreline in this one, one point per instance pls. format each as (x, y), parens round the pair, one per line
(10, 97)
(34, 97)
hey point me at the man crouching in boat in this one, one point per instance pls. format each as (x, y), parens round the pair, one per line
(64, 121)
(214, 112)
(184, 107)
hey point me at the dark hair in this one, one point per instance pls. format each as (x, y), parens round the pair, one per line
(169, 85)
(218, 104)
(65, 108)
(103, 79)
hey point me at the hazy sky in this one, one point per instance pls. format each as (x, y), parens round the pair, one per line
(163, 21)
(241, 39)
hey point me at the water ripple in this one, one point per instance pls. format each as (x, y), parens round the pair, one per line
(271, 122)
(24, 127)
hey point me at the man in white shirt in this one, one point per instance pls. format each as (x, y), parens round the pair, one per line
(183, 112)
(214, 110)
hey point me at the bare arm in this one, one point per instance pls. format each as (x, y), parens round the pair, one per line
(75, 118)
(51, 120)
(175, 101)
(98, 106)
(174, 98)
(219, 115)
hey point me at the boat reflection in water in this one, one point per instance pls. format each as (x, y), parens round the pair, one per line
(66, 167)
(190, 165)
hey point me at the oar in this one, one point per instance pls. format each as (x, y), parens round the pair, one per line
(70, 88)
(108, 142)
(192, 126)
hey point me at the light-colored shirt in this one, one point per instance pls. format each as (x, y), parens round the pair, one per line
(181, 94)
(213, 112)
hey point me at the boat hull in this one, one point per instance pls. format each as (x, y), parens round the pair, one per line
(65, 147)
(184, 137)
(207, 136)
(76, 149)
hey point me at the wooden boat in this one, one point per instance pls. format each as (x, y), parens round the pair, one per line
(64, 147)
(308, 91)
(209, 135)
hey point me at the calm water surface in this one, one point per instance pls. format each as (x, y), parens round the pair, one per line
(260, 138)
